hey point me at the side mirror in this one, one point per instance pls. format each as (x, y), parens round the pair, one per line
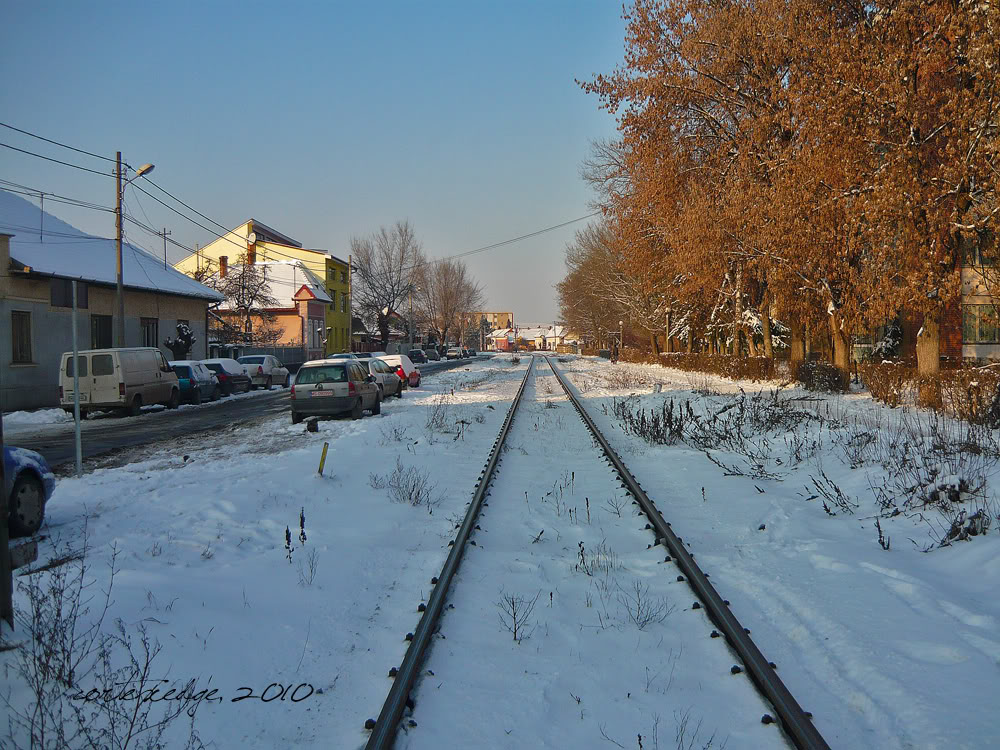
(371, 378)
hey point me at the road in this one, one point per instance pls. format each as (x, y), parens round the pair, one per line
(113, 433)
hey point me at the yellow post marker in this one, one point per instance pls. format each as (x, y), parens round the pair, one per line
(322, 459)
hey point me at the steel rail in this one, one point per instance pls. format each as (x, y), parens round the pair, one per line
(793, 720)
(387, 725)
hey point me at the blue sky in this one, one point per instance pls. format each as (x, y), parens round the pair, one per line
(324, 120)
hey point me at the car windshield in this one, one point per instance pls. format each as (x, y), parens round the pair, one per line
(181, 370)
(251, 360)
(214, 367)
(322, 374)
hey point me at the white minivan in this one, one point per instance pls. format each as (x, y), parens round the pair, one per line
(119, 378)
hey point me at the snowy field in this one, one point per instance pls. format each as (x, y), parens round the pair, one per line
(888, 648)
(202, 565)
(894, 648)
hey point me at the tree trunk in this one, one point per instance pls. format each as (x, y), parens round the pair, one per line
(690, 346)
(751, 344)
(929, 359)
(765, 326)
(654, 344)
(841, 352)
(797, 341)
(667, 344)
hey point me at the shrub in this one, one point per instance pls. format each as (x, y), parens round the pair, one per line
(727, 365)
(891, 383)
(821, 376)
(972, 394)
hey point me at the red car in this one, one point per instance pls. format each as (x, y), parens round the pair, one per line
(404, 367)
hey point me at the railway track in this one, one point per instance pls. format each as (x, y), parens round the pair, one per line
(790, 717)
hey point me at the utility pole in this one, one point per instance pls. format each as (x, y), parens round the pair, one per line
(165, 233)
(119, 283)
(411, 319)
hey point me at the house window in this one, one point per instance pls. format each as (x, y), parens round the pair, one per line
(980, 325)
(20, 323)
(150, 330)
(61, 293)
(343, 303)
(100, 331)
(343, 277)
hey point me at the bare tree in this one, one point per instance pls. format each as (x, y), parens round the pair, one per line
(383, 273)
(446, 294)
(246, 314)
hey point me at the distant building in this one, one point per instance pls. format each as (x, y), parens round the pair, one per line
(259, 243)
(37, 266)
(494, 320)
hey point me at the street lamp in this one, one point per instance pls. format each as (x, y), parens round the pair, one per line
(120, 286)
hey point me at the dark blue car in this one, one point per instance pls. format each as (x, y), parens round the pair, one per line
(28, 482)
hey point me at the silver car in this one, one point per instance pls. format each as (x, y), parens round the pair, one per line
(328, 387)
(385, 376)
(265, 370)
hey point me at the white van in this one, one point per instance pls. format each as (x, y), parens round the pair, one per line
(119, 378)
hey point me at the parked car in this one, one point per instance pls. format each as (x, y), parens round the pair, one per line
(28, 483)
(432, 355)
(385, 376)
(472, 353)
(417, 356)
(196, 381)
(368, 355)
(342, 355)
(453, 353)
(328, 387)
(232, 375)
(466, 353)
(265, 370)
(405, 368)
(119, 378)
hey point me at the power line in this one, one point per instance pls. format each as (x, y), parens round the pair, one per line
(511, 241)
(57, 161)
(33, 192)
(57, 143)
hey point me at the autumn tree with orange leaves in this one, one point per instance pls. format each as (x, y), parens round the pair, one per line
(815, 163)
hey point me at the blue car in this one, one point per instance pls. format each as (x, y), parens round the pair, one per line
(28, 482)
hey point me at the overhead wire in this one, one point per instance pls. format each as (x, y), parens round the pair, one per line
(57, 161)
(322, 265)
(57, 143)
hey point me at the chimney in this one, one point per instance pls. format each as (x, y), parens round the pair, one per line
(223, 266)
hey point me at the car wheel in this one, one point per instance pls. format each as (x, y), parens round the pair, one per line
(27, 505)
(287, 379)
(135, 406)
(356, 411)
(175, 399)
(267, 385)
(196, 397)
(296, 417)
(377, 408)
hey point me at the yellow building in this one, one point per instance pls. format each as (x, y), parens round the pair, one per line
(253, 241)
(496, 320)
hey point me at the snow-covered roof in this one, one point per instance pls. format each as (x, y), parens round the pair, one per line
(66, 251)
(286, 277)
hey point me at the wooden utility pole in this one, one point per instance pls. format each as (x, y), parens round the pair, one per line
(165, 233)
(119, 283)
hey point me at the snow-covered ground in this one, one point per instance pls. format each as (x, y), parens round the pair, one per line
(892, 648)
(612, 646)
(36, 417)
(202, 560)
